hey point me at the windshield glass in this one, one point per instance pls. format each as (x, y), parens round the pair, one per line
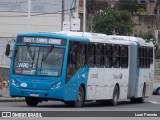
(41, 61)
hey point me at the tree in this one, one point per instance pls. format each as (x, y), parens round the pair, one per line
(110, 21)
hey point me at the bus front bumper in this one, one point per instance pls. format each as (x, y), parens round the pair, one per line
(57, 93)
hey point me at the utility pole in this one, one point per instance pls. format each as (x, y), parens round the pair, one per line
(62, 19)
(29, 15)
(84, 15)
(157, 8)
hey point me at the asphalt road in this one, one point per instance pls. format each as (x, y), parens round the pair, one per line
(151, 104)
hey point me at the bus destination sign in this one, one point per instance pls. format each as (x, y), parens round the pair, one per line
(41, 40)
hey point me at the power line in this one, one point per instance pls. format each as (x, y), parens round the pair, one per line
(31, 24)
(9, 3)
(39, 13)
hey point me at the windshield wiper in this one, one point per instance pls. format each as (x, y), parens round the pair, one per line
(47, 53)
(29, 51)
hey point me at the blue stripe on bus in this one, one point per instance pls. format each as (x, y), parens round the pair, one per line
(137, 71)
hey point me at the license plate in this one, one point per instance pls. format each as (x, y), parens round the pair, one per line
(34, 95)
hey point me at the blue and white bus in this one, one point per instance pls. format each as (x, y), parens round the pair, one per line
(75, 67)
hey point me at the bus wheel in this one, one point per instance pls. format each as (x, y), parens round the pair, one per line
(133, 100)
(158, 91)
(80, 98)
(31, 101)
(115, 97)
(141, 100)
(68, 102)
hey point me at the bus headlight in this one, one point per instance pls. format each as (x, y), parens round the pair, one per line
(56, 85)
(14, 83)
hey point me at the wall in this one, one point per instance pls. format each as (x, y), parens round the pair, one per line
(14, 23)
(145, 23)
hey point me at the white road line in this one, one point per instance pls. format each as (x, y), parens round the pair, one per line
(154, 102)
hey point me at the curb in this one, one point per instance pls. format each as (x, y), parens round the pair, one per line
(11, 99)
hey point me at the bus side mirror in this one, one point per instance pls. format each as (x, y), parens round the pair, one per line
(7, 50)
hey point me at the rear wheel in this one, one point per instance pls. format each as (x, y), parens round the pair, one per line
(31, 101)
(134, 100)
(105, 102)
(80, 98)
(141, 100)
(115, 97)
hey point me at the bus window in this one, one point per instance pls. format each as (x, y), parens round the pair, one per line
(41, 61)
(72, 58)
(116, 56)
(100, 55)
(145, 57)
(86, 53)
(139, 57)
(91, 55)
(81, 55)
(141, 60)
(148, 59)
(124, 56)
(108, 56)
(151, 55)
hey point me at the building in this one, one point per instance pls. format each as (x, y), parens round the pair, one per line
(45, 17)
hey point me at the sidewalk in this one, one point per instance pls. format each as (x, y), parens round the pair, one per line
(11, 99)
(5, 97)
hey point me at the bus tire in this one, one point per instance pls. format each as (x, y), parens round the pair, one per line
(80, 98)
(68, 102)
(31, 101)
(158, 91)
(114, 100)
(105, 102)
(134, 100)
(141, 100)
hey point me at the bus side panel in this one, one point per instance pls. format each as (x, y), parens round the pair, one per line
(144, 77)
(123, 83)
(115, 76)
(72, 86)
(95, 85)
(101, 82)
(133, 57)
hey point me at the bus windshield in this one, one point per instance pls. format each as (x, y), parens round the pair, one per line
(39, 61)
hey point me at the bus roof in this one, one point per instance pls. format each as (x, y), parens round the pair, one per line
(98, 37)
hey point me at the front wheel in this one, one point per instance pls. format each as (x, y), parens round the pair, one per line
(80, 98)
(31, 101)
(68, 102)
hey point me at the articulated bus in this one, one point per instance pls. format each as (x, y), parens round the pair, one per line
(75, 67)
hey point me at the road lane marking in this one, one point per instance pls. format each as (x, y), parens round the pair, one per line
(154, 102)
